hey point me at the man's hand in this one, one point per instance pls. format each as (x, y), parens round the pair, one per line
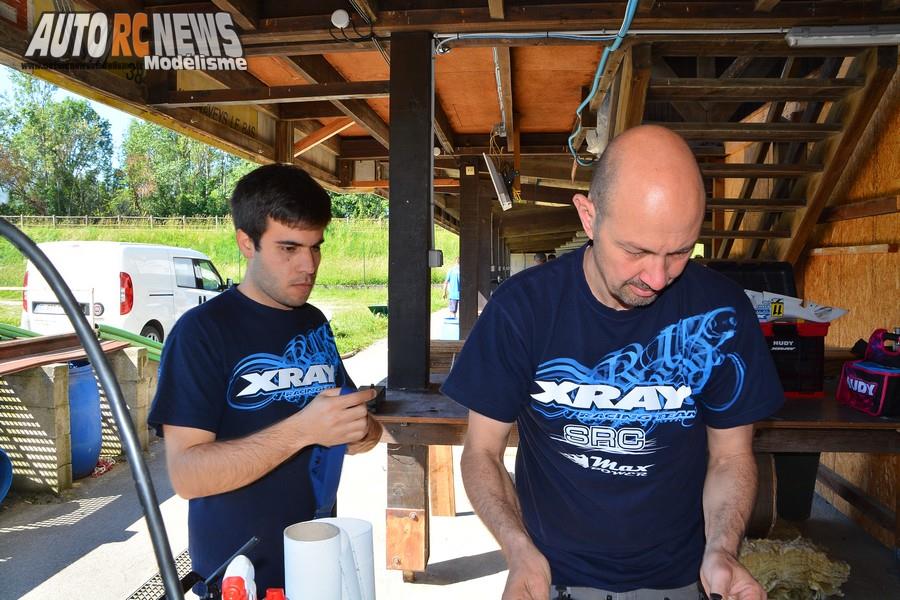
(723, 575)
(373, 436)
(332, 419)
(529, 574)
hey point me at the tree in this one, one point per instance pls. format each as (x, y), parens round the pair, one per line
(55, 156)
(360, 206)
(167, 174)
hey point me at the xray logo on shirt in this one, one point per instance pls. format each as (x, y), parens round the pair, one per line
(309, 364)
(616, 404)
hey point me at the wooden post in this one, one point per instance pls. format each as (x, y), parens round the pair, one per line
(412, 160)
(468, 246)
(485, 204)
(407, 509)
(442, 488)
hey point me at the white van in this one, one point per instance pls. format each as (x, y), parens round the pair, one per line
(141, 288)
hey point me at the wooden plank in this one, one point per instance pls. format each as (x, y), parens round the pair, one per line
(633, 95)
(885, 205)
(495, 9)
(750, 89)
(689, 111)
(37, 345)
(881, 66)
(589, 16)
(754, 132)
(406, 514)
(411, 188)
(322, 134)
(765, 5)
(306, 48)
(744, 234)
(300, 111)
(23, 363)
(442, 129)
(346, 90)
(244, 12)
(869, 507)
(374, 184)
(369, 8)
(469, 192)
(741, 170)
(754, 204)
(440, 474)
(316, 69)
(864, 249)
(284, 138)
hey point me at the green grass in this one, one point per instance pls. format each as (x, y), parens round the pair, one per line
(352, 276)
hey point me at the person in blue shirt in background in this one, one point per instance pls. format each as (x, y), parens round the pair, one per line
(451, 287)
(634, 377)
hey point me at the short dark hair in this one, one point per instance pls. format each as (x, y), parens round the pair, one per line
(285, 193)
(602, 181)
(540, 257)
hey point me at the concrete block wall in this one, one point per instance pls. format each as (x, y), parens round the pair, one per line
(34, 428)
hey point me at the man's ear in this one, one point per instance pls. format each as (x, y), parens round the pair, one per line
(585, 208)
(245, 244)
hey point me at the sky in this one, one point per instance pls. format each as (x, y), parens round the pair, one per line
(118, 120)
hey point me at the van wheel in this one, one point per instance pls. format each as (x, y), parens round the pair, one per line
(152, 332)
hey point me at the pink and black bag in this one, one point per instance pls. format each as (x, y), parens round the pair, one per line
(872, 385)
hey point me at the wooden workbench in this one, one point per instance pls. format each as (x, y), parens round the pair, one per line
(414, 421)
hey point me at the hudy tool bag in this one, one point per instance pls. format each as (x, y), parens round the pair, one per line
(872, 385)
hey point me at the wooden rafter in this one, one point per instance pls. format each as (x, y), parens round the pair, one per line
(763, 171)
(765, 5)
(745, 46)
(632, 94)
(754, 204)
(754, 132)
(321, 135)
(299, 111)
(880, 67)
(757, 155)
(369, 9)
(689, 111)
(755, 89)
(244, 12)
(316, 69)
(886, 205)
(495, 9)
(287, 93)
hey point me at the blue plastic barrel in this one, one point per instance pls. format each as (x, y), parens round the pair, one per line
(84, 417)
(6, 474)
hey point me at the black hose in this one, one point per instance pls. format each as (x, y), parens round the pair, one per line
(139, 472)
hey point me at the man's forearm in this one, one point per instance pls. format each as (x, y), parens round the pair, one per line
(222, 466)
(728, 498)
(491, 492)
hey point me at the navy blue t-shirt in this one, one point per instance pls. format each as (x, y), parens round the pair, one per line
(233, 366)
(612, 409)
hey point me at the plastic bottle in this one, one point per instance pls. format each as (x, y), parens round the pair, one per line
(238, 582)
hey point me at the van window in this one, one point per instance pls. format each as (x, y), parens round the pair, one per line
(184, 273)
(208, 276)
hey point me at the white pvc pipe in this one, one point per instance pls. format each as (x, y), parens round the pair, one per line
(357, 558)
(312, 561)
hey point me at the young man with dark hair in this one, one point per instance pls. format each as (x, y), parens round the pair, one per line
(250, 383)
(634, 377)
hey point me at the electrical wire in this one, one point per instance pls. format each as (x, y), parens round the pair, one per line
(630, 9)
(139, 471)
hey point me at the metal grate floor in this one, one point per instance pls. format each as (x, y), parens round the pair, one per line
(153, 589)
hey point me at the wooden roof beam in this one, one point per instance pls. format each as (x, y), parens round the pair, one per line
(754, 204)
(765, 5)
(271, 95)
(756, 89)
(495, 9)
(321, 135)
(244, 12)
(742, 234)
(761, 171)
(318, 70)
(754, 132)
(880, 67)
(632, 94)
(299, 111)
(689, 111)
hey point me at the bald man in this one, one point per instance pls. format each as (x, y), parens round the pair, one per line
(634, 377)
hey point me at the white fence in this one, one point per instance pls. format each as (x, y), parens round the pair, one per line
(120, 221)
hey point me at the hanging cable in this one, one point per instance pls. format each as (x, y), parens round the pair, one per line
(630, 9)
